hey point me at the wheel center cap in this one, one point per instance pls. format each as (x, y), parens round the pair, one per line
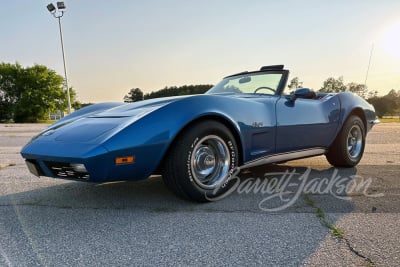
(353, 141)
(209, 161)
(205, 161)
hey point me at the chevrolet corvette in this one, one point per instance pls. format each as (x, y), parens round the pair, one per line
(197, 142)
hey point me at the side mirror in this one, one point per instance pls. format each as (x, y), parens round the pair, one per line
(306, 93)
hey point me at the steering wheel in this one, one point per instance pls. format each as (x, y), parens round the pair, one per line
(264, 88)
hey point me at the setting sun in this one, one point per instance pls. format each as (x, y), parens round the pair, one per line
(391, 39)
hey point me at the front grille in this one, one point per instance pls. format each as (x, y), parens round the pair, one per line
(64, 170)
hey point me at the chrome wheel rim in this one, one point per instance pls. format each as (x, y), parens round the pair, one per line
(209, 162)
(354, 142)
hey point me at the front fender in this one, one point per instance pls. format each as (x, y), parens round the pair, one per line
(351, 103)
(160, 127)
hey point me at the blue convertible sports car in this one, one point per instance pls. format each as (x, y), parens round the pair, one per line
(197, 141)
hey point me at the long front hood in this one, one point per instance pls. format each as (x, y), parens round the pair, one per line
(95, 127)
(101, 136)
(137, 108)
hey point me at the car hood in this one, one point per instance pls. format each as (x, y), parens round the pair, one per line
(137, 108)
(88, 126)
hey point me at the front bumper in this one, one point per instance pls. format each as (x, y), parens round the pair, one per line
(69, 161)
(88, 162)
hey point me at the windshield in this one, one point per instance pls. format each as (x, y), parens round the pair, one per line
(249, 83)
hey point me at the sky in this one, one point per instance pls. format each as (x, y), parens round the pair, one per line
(113, 46)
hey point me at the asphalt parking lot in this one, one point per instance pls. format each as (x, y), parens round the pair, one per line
(307, 213)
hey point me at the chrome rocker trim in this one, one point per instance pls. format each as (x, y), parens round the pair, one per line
(285, 157)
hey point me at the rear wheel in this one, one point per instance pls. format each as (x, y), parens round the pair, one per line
(348, 147)
(201, 161)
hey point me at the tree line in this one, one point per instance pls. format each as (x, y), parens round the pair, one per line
(388, 104)
(29, 94)
(136, 94)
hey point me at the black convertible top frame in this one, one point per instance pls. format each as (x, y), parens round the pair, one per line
(270, 68)
(262, 69)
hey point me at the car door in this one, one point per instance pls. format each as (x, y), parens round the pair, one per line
(306, 123)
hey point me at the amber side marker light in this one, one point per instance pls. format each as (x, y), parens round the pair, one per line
(125, 160)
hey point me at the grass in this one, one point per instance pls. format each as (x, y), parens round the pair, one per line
(46, 121)
(389, 120)
(334, 230)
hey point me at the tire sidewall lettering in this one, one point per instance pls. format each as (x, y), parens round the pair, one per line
(232, 161)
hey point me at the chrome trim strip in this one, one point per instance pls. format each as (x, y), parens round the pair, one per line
(285, 157)
(375, 122)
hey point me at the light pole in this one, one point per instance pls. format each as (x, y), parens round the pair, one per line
(369, 64)
(53, 10)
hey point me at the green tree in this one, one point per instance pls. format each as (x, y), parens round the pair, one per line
(294, 84)
(380, 104)
(332, 85)
(372, 94)
(396, 96)
(358, 89)
(388, 104)
(32, 92)
(85, 104)
(135, 94)
(74, 102)
(8, 84)
(182, 90)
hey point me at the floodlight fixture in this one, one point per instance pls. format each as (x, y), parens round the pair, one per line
(60, 5)
(51, 8)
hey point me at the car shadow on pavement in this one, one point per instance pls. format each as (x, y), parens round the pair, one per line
(282, 229)
(271, 189)
(281, 184)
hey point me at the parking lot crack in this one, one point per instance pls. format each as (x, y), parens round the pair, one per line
(357, 253)
(335, 231)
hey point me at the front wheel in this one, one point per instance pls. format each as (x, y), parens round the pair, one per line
(348, 147)
(201, 161)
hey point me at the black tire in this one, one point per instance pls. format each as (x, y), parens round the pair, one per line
(348, 147)
(201, 161)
